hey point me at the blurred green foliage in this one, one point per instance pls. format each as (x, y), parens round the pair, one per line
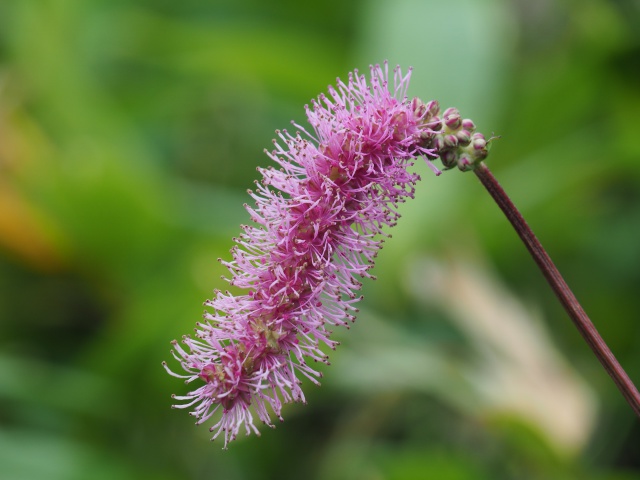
(129, 132)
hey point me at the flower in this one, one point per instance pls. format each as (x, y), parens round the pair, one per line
(318, 225)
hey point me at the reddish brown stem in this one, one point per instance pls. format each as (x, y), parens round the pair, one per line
(561, 289)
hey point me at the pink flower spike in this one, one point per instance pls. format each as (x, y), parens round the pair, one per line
(317, 221)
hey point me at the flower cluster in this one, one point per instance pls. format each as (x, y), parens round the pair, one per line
(318, 225)
(456, 141)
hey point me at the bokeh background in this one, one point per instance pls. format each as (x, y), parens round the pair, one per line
(129, 133)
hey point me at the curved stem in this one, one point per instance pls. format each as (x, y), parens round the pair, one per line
(561, 289)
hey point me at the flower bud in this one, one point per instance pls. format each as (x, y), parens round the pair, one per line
(426, 138)
(479, 144)
(418, 107)
(448, 158)
(465, 162)
(433, 108)
(452, 118)
(468, 124)
(435, 124)
(464, 137)
(450, 141)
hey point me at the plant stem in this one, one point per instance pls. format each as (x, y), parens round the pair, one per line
(561, 289)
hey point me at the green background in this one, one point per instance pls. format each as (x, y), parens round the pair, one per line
(129, 132)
